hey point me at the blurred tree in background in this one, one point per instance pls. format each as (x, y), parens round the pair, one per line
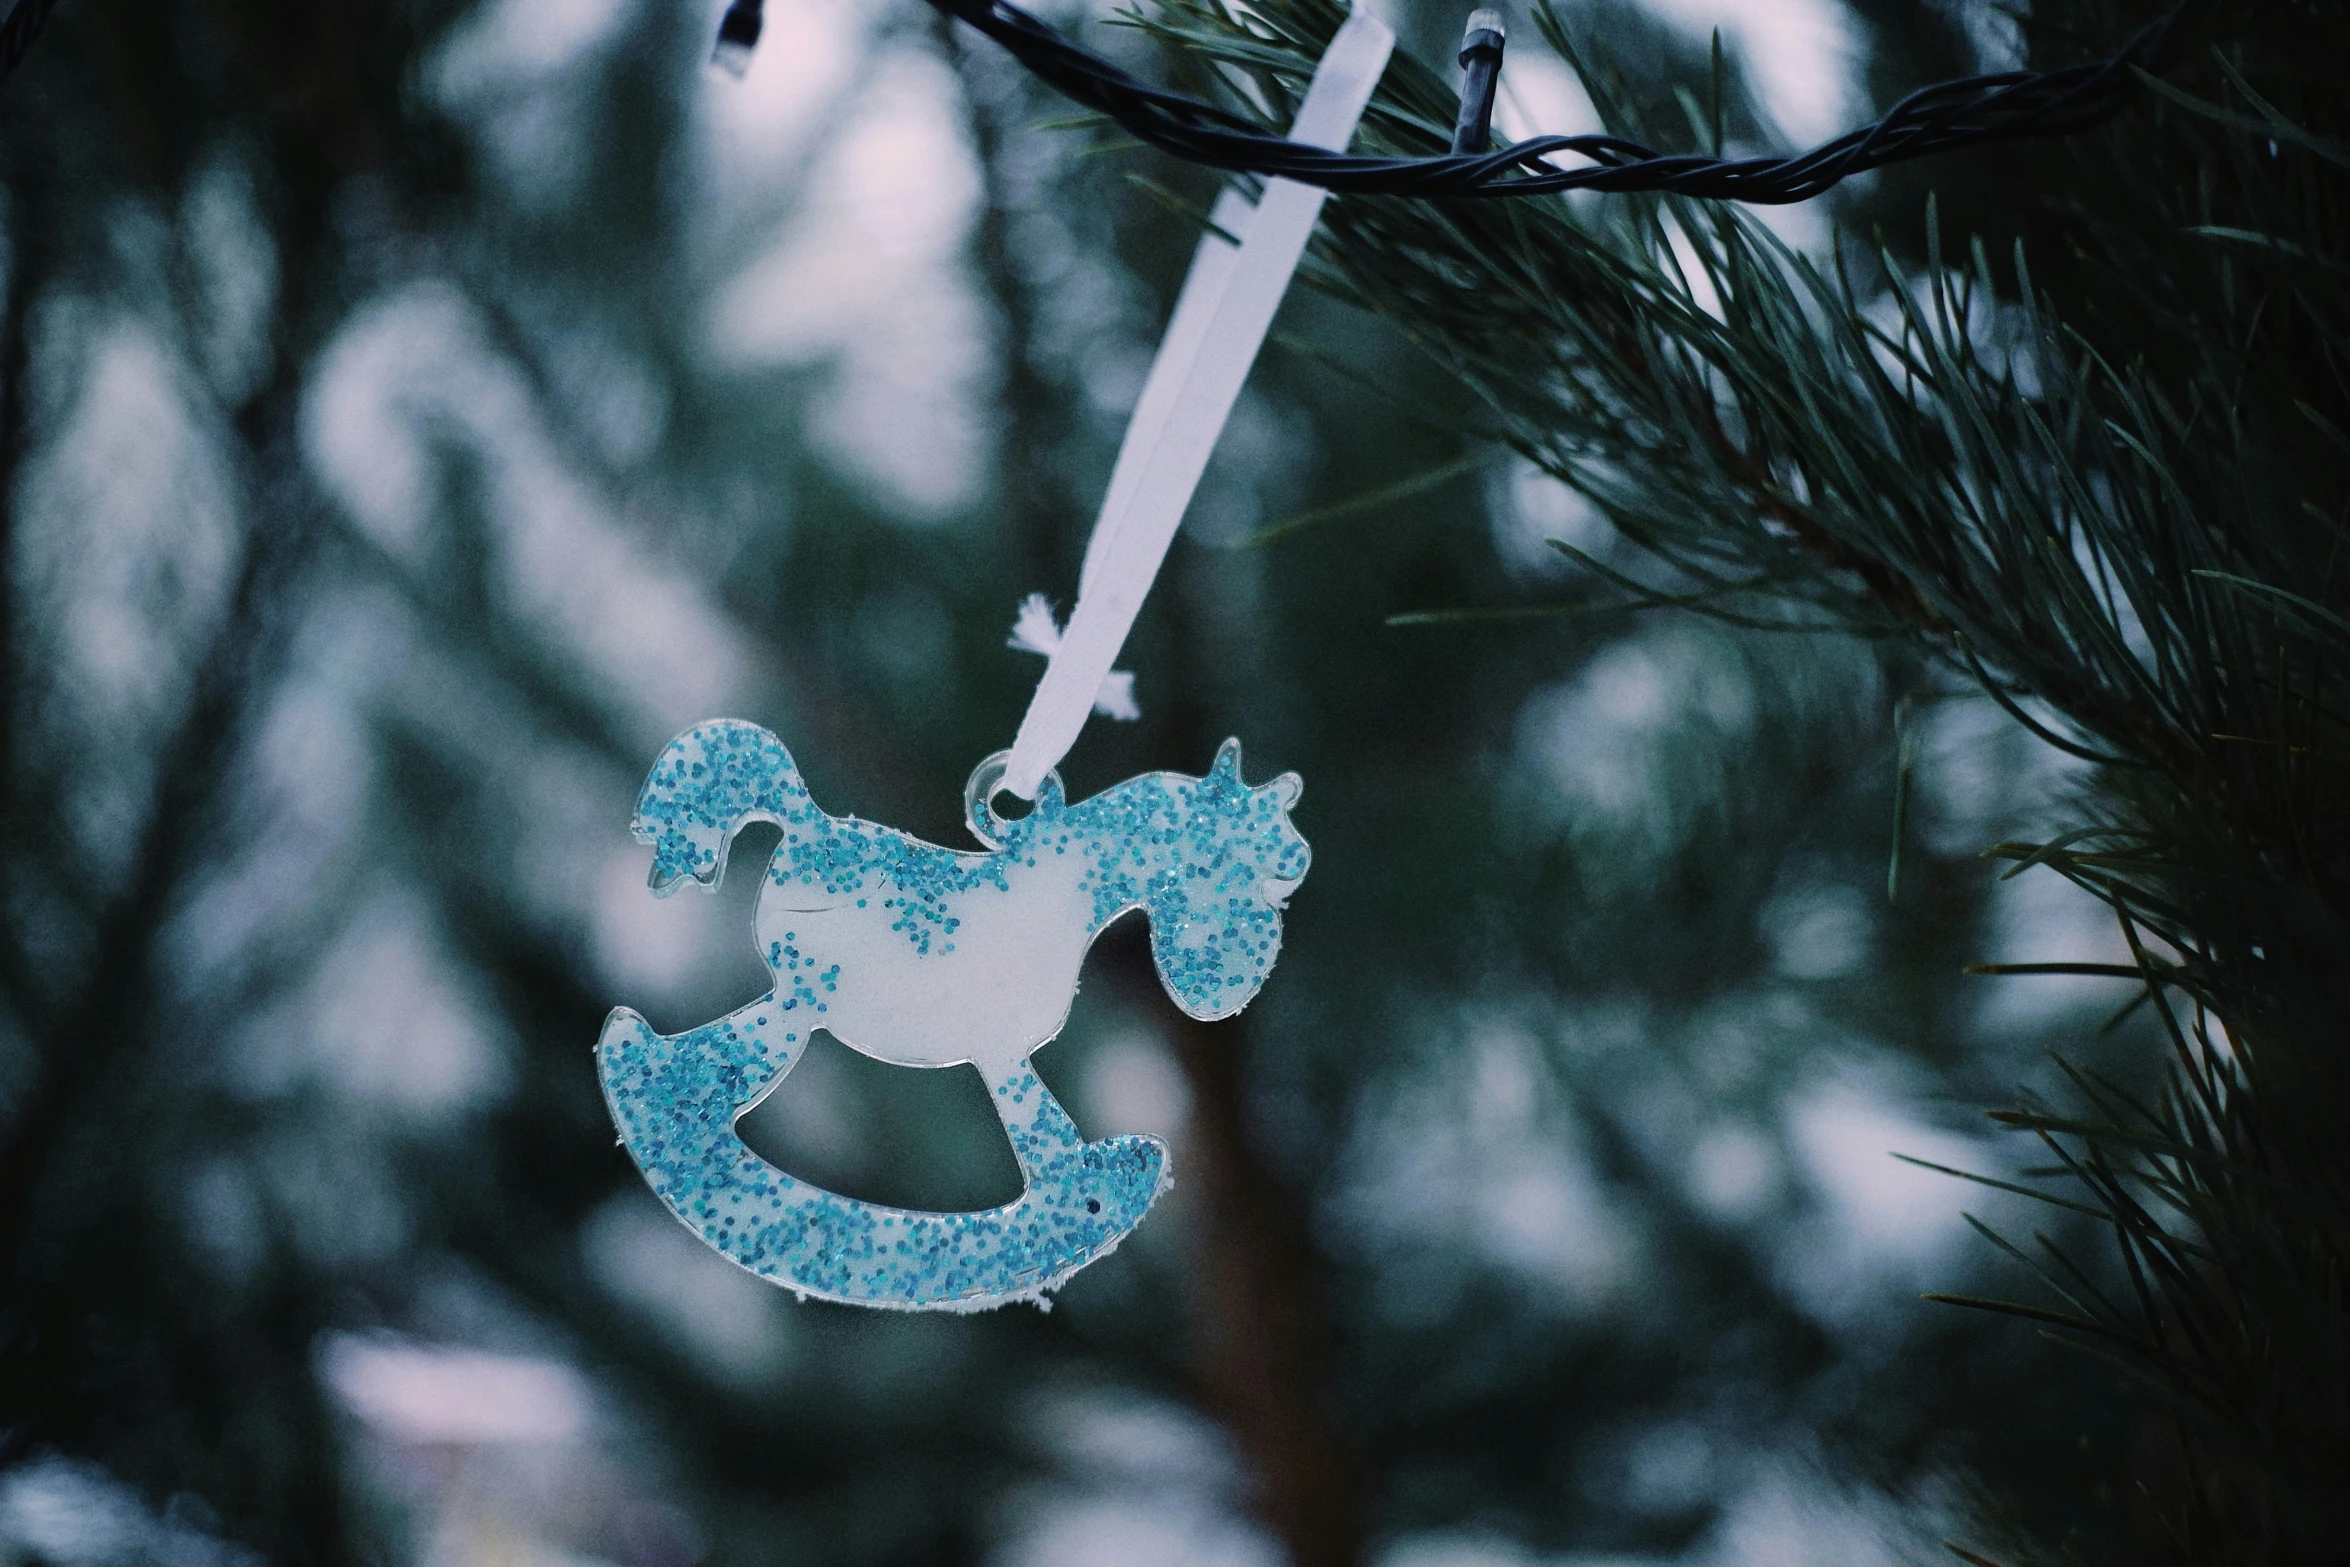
(413, 412)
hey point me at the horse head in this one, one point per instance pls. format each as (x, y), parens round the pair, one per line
(708, 784)
(1218, 886)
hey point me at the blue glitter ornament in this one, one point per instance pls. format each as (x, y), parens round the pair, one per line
(923, 956)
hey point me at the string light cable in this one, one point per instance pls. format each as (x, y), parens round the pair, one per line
(1971, 112)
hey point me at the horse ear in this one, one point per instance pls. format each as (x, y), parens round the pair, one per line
(704, 786)
(1287, 788)
(1228, 762)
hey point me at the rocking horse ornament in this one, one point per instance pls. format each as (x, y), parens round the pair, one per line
(924, 956)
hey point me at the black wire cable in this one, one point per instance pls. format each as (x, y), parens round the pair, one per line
(1975, 111)
(1481, 51)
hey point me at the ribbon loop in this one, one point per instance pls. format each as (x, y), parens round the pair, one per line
(1221, 317)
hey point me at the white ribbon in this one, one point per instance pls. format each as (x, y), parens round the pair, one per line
(1220, 321)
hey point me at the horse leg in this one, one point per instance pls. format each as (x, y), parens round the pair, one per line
(683, 1089)
(1103, 1188)
(1032, 1117)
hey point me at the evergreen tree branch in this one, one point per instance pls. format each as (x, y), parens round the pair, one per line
(2112, 504)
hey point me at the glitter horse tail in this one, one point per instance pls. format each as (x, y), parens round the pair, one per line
(928, 957)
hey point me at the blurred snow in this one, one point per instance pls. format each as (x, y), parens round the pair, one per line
(657, 952)
(223, 1218)
(1993, 27)
(754, 132)
(1468, 1548)
(616, 400)
(1137, 1481)
(1604, 753)
(2042, 918)
(1529, 508)
(513, 68)
(1802, 227)
(735, 1324)
(436, 1396)
(1541, 96)
(503, 1459)
(575, 794)
(1882, 1224)
(868, 281)
(1981, 777)
(310, 778)
(509, 43)
(1474, 1153)
(1734, 1171)
(1133, 1084)
(1790, 1514)
(413, 376)
(386, 1017)
(1779, 1509)
(1819, 929)
(1151, 1530)
(126, 528)
(1799, 54)
(1670, 1466)
(1254, 475)
(62, 1513)
(234, 269)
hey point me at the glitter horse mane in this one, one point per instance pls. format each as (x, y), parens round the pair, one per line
(924, 956)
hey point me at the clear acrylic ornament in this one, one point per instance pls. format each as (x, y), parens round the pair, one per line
(924, 956)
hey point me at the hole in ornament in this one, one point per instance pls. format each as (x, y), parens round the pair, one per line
(1093, 1205)
(1009, 807)
(910, 1137)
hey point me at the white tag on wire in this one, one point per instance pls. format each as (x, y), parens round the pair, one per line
(1220, 321)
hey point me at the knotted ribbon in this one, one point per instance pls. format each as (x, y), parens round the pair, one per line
(1221, 317)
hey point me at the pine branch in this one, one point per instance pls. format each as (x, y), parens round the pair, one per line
(2112, 501)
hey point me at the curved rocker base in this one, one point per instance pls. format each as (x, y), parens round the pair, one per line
(676, 1097)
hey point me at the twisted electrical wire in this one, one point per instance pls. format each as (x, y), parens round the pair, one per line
(1975, 111)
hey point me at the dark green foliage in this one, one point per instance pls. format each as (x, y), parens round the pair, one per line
(2112, 493)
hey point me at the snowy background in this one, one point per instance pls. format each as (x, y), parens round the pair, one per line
(643, 395)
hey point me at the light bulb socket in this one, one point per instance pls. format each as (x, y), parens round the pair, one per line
(738, 35)
(1482, 43)
(1487, 31)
